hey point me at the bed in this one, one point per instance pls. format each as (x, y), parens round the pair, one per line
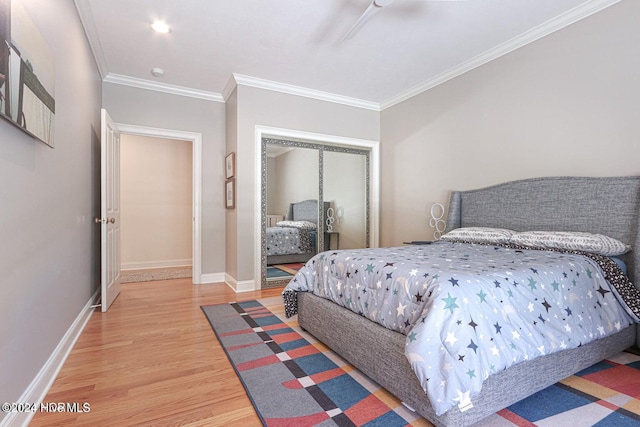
(606, 206)
(295, 239)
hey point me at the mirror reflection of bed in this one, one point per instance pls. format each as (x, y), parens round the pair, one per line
(295, 176)
(293, 240)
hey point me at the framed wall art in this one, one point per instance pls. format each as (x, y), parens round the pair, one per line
(230, 165)
(27, 73)
(230, 193)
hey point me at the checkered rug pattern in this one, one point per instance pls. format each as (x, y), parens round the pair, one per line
(294, 380)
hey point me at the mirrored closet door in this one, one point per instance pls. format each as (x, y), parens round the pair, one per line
(315, 198)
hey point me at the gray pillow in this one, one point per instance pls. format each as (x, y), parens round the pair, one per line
(304, 225)
(572, 240)
(478, 235)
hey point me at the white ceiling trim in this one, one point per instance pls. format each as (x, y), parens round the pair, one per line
(229, 88)
(160, 87)
(301, 91)
(86, 17)
(555, 24)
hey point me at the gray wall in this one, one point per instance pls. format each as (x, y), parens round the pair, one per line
(296, 178)
(49, 244)
(345, 187)
(231, 232)
(143, 107)
(567, 104)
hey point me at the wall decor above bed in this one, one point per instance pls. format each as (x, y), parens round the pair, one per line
(459, 330)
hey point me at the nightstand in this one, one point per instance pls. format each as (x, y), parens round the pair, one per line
(330, 234)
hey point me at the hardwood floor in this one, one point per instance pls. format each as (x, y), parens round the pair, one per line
(153, 360)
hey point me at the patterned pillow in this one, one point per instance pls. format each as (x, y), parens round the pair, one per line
(479, 235)
(305, 225)
(572, 240)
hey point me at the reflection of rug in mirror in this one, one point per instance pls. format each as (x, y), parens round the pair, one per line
(283, 270)
(292, 379)
(151, 274)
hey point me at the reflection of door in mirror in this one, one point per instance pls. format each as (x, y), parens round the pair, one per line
(292, 177)
(344, 186)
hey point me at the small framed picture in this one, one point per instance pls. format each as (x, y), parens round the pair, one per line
(230, 193)
(230, 165)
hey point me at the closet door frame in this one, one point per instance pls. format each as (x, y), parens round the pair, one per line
(320, 142)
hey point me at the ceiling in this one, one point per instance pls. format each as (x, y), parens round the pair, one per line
(296, 45)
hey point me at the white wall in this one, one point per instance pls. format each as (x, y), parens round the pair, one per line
(49, 244)
(134, 106)
(567, 104)
(156, 200)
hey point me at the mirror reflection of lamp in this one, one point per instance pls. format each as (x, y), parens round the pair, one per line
(330, 219)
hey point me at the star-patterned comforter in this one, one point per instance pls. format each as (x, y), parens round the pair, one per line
(469, 310)
(288, 240)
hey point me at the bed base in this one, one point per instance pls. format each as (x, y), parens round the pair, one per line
(289, 259)
(379, 353)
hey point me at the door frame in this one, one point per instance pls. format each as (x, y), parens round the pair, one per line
(281, 133)
(196, 140)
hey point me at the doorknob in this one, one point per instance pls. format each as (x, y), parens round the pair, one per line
(104, 220)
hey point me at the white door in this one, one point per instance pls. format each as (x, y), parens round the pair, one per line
(109, 210)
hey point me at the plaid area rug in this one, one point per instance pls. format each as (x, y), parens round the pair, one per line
(283, 270)
(294, 380)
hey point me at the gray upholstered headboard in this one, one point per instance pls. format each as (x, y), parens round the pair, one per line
(306, 210)
(597, 205)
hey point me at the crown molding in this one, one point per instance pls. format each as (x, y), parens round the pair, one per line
(242, 80)
(569, 17)
(86, 18)
(229, 87)
(159, 87)
(574, 15)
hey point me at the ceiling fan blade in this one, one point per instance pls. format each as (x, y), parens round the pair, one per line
(363, 19)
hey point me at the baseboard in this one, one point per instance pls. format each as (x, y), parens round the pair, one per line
(239, 286)
(155, 264)
(39, 387)
(212, 278)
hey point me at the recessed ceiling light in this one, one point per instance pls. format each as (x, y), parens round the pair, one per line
(161, 27)
(157, 72)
